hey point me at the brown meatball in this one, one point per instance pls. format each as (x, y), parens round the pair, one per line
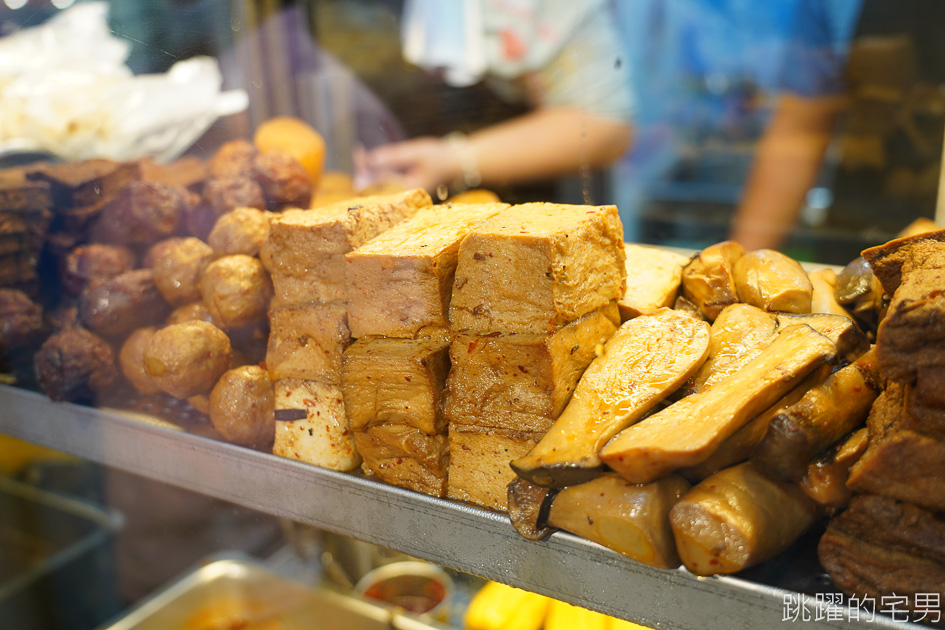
(131, 360)
(85, 265)
(237, 290)
(224, 195)
(116, 306)
(195, 311)
(75, 365)
(158, 248)
(242, 406)
(187, 359)
(143, 213)
(177, 269)
(242, 231)
(21, 320)
(233, 159)
(200, 219)
(284, 180)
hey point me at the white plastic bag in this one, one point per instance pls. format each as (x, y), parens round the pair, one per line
(65, 90)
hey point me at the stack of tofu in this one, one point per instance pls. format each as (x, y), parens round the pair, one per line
(309, 324)
(433, 344)
(533, 300)
(399, 287)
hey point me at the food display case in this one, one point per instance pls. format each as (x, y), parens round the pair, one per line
(160, 167)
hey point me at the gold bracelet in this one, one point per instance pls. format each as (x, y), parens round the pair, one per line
(467, 160)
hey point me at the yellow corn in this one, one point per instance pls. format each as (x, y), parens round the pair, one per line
(500, 607)
(621, 624)
(531, 613)
(564, 616)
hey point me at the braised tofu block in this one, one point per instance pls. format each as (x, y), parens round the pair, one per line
(311, 425)
(522, 382)
(403, 456)
(538, 266)
(400, 283)
(308, 247)
(307, 341)
(479, 463)
(396, 381)
(654, 276)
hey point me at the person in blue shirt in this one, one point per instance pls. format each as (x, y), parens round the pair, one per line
(735, 106)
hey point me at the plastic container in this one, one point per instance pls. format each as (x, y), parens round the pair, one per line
(419, 588)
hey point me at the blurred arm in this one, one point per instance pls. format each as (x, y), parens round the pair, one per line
(786, 167)
(546, 142)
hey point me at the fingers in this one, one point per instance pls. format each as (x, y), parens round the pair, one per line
(420, 163)
(400, 156)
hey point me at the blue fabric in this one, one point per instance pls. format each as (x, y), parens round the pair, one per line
(706, 74)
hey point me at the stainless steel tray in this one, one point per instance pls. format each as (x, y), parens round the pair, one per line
(452, 534)
(239, 589)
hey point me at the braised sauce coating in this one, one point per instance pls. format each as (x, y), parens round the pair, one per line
(178, 267)
(116, 306)
(88, 264)
(187, 359)
(237, 290)
(242, 406)
(75, 365)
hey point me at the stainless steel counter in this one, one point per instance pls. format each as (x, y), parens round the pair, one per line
(446, 532)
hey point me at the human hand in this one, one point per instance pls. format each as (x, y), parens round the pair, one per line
(425, 162)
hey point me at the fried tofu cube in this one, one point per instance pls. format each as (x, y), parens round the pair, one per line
(395, 381)
(308, 246)
(479, 463)
(307, 341)
(536, 267)
(311, 425)
(654, 276)
(401, 282)
(405, 457)
(522, 382)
